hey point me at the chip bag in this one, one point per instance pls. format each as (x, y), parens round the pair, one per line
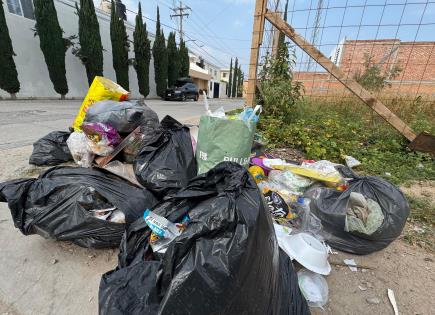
(100, 89)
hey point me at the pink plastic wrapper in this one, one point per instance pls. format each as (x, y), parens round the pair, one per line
(98, 132)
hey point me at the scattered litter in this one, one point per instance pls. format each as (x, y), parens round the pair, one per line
(351, 263)
(388, 174)
(362, 288)
(373, 300)
(393, 302)
(314, 288)
(351, 161)
(54, 261)
(163, 231)
(309, 252)
(420, 165)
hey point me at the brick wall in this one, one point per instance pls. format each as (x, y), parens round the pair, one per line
(415, 59)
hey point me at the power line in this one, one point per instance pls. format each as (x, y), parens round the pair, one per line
(185, 34)
(180, 13)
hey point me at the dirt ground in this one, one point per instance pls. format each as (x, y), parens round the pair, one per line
(39, 276)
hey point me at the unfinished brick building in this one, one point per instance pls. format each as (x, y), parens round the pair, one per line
(416, 61)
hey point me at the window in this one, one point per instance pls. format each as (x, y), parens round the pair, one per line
(22, 8)
(224, 75)
(215, 73)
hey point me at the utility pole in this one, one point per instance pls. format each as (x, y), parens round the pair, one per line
(179, 12)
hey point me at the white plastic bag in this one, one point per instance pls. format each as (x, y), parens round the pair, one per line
(314, 287)
(78, 144)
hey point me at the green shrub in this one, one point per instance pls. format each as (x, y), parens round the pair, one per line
(330, 131)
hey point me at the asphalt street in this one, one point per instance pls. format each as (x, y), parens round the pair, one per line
(23, 122)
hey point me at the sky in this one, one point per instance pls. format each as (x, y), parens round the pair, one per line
(221, 29)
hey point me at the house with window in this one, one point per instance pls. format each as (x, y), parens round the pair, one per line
(207, 76)
(225, 75)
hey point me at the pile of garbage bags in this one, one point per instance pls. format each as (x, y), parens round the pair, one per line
(203, 225)
(355, 214)
(70, 204)
(225, 261)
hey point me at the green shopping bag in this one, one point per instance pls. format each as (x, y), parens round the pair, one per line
(221, 140)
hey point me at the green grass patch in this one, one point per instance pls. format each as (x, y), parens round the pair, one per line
(330, 130)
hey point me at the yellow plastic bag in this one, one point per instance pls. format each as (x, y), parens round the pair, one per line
(100, 89)
(330, 181)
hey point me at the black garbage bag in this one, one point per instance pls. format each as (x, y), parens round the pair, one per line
(60, 203)
(123, 116)
(51, 149)
(226, 261)
(330, 206)
(166, 162)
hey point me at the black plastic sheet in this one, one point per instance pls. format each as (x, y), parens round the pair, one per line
(51, 149)
(123, 116)
(227, 261)
(57, 205)
(166, 162)
(330, 206)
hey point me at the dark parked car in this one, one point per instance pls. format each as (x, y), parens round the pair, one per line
(183, 89)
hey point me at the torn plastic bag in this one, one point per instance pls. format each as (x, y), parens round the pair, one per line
(51, 149)
(60, 205)
(166, 162)
(123, 116)
(226, 261)
(331, 206)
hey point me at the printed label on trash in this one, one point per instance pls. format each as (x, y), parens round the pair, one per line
(277, 205)
(157, 224)
(241, 161)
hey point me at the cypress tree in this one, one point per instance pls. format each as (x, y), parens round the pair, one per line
(184, 60)
(240, 89)
(91, 49)
(8, 72)
(119, 39)
(160, 59)
(234, 87)
(52, 44)
(142, 54)
(230, 78)
(173, 60)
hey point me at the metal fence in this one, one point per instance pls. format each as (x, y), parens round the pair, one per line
(388, 46)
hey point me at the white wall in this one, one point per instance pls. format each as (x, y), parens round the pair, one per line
(31, 67)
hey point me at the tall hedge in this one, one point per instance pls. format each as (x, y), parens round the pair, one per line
(52, 43)
(184, 59)
(142, 54)
(160, 59)
(230, 79)
(91, 49)
(8, 71)
(120, 47)
(234, 83)
(173, 60)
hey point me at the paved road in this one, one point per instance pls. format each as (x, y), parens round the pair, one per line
(23, 122)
